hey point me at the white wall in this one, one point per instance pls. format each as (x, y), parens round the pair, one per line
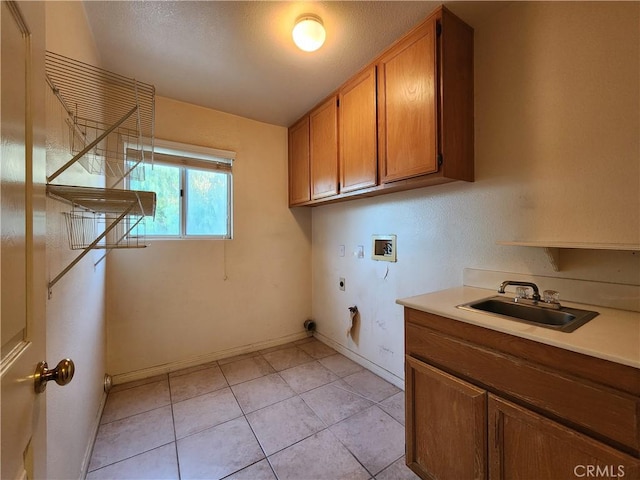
(557, 91)
(75, 313)
(181, 302)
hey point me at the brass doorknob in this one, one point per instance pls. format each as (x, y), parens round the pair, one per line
(62, 374)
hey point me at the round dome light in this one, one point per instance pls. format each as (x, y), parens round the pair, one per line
(309, 33)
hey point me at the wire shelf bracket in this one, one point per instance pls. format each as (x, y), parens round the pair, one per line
(109, 117)
(88, 249)
(91, 145)
(105, 110)
(122, 205)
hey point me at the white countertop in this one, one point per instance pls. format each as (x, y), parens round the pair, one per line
(613, 335)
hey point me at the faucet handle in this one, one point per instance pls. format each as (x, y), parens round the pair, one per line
(522, 292)
(551, 296)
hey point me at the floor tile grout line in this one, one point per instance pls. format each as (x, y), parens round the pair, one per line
(367, 398)
(130, 457)
(266, 457)
(298, 395)
(260, 355)
(255, 436)
(356, 457)
(175, 434)
(209, 392)
(210, 427)
(400, 457)
(121, 387)
(298, 441)
(225, 377)
(137, 413)
(328, 427)
(353, 455)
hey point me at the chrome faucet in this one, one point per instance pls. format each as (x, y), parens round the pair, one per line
(536, 291)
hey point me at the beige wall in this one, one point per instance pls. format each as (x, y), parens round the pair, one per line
(557, 149)
(75, 313)
(557, 96)
(181, 302)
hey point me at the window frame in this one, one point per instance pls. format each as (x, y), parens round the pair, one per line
(194, 158)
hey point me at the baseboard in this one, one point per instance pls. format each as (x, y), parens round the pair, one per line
(360, 360)
(201, 359)
(94, 433)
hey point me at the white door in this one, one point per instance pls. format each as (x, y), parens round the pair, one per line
(22, 225)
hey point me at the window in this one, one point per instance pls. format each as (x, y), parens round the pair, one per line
(193, 186)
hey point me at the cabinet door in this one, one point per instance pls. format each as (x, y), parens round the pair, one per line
(324, 149)
(299, 162)
(358, 135)
(446, 419)
(525, 445)
(407, 106)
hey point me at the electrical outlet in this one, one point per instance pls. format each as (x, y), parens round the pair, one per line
(341, 284)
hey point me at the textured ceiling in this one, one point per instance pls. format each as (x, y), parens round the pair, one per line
(238, 57)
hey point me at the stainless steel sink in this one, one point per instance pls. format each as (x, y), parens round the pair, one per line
(564, 319)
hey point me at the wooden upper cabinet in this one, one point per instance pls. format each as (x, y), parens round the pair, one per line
(407, 103)
(358, 134)
(425, 102)
(456, 94)
(405, 121)
(323, 149)
(299, 191)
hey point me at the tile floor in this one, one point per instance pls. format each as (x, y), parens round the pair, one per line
(299, 411)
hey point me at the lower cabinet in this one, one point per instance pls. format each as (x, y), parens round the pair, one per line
(457, 430)
(446, 424)
(525, 445)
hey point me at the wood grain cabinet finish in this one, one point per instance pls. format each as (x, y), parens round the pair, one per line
(407, 93)
(564, 410)
(425, 102)
(449, 419)
(299, 178)
(323, 149)
(358, 134)
(526, 445)
(405, 121)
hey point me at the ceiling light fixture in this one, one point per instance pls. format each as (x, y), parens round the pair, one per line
(309, 33)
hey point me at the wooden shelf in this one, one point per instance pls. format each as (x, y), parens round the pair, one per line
(623, 247)
(552, 249)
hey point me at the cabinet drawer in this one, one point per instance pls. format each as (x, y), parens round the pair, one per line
(600, 411)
